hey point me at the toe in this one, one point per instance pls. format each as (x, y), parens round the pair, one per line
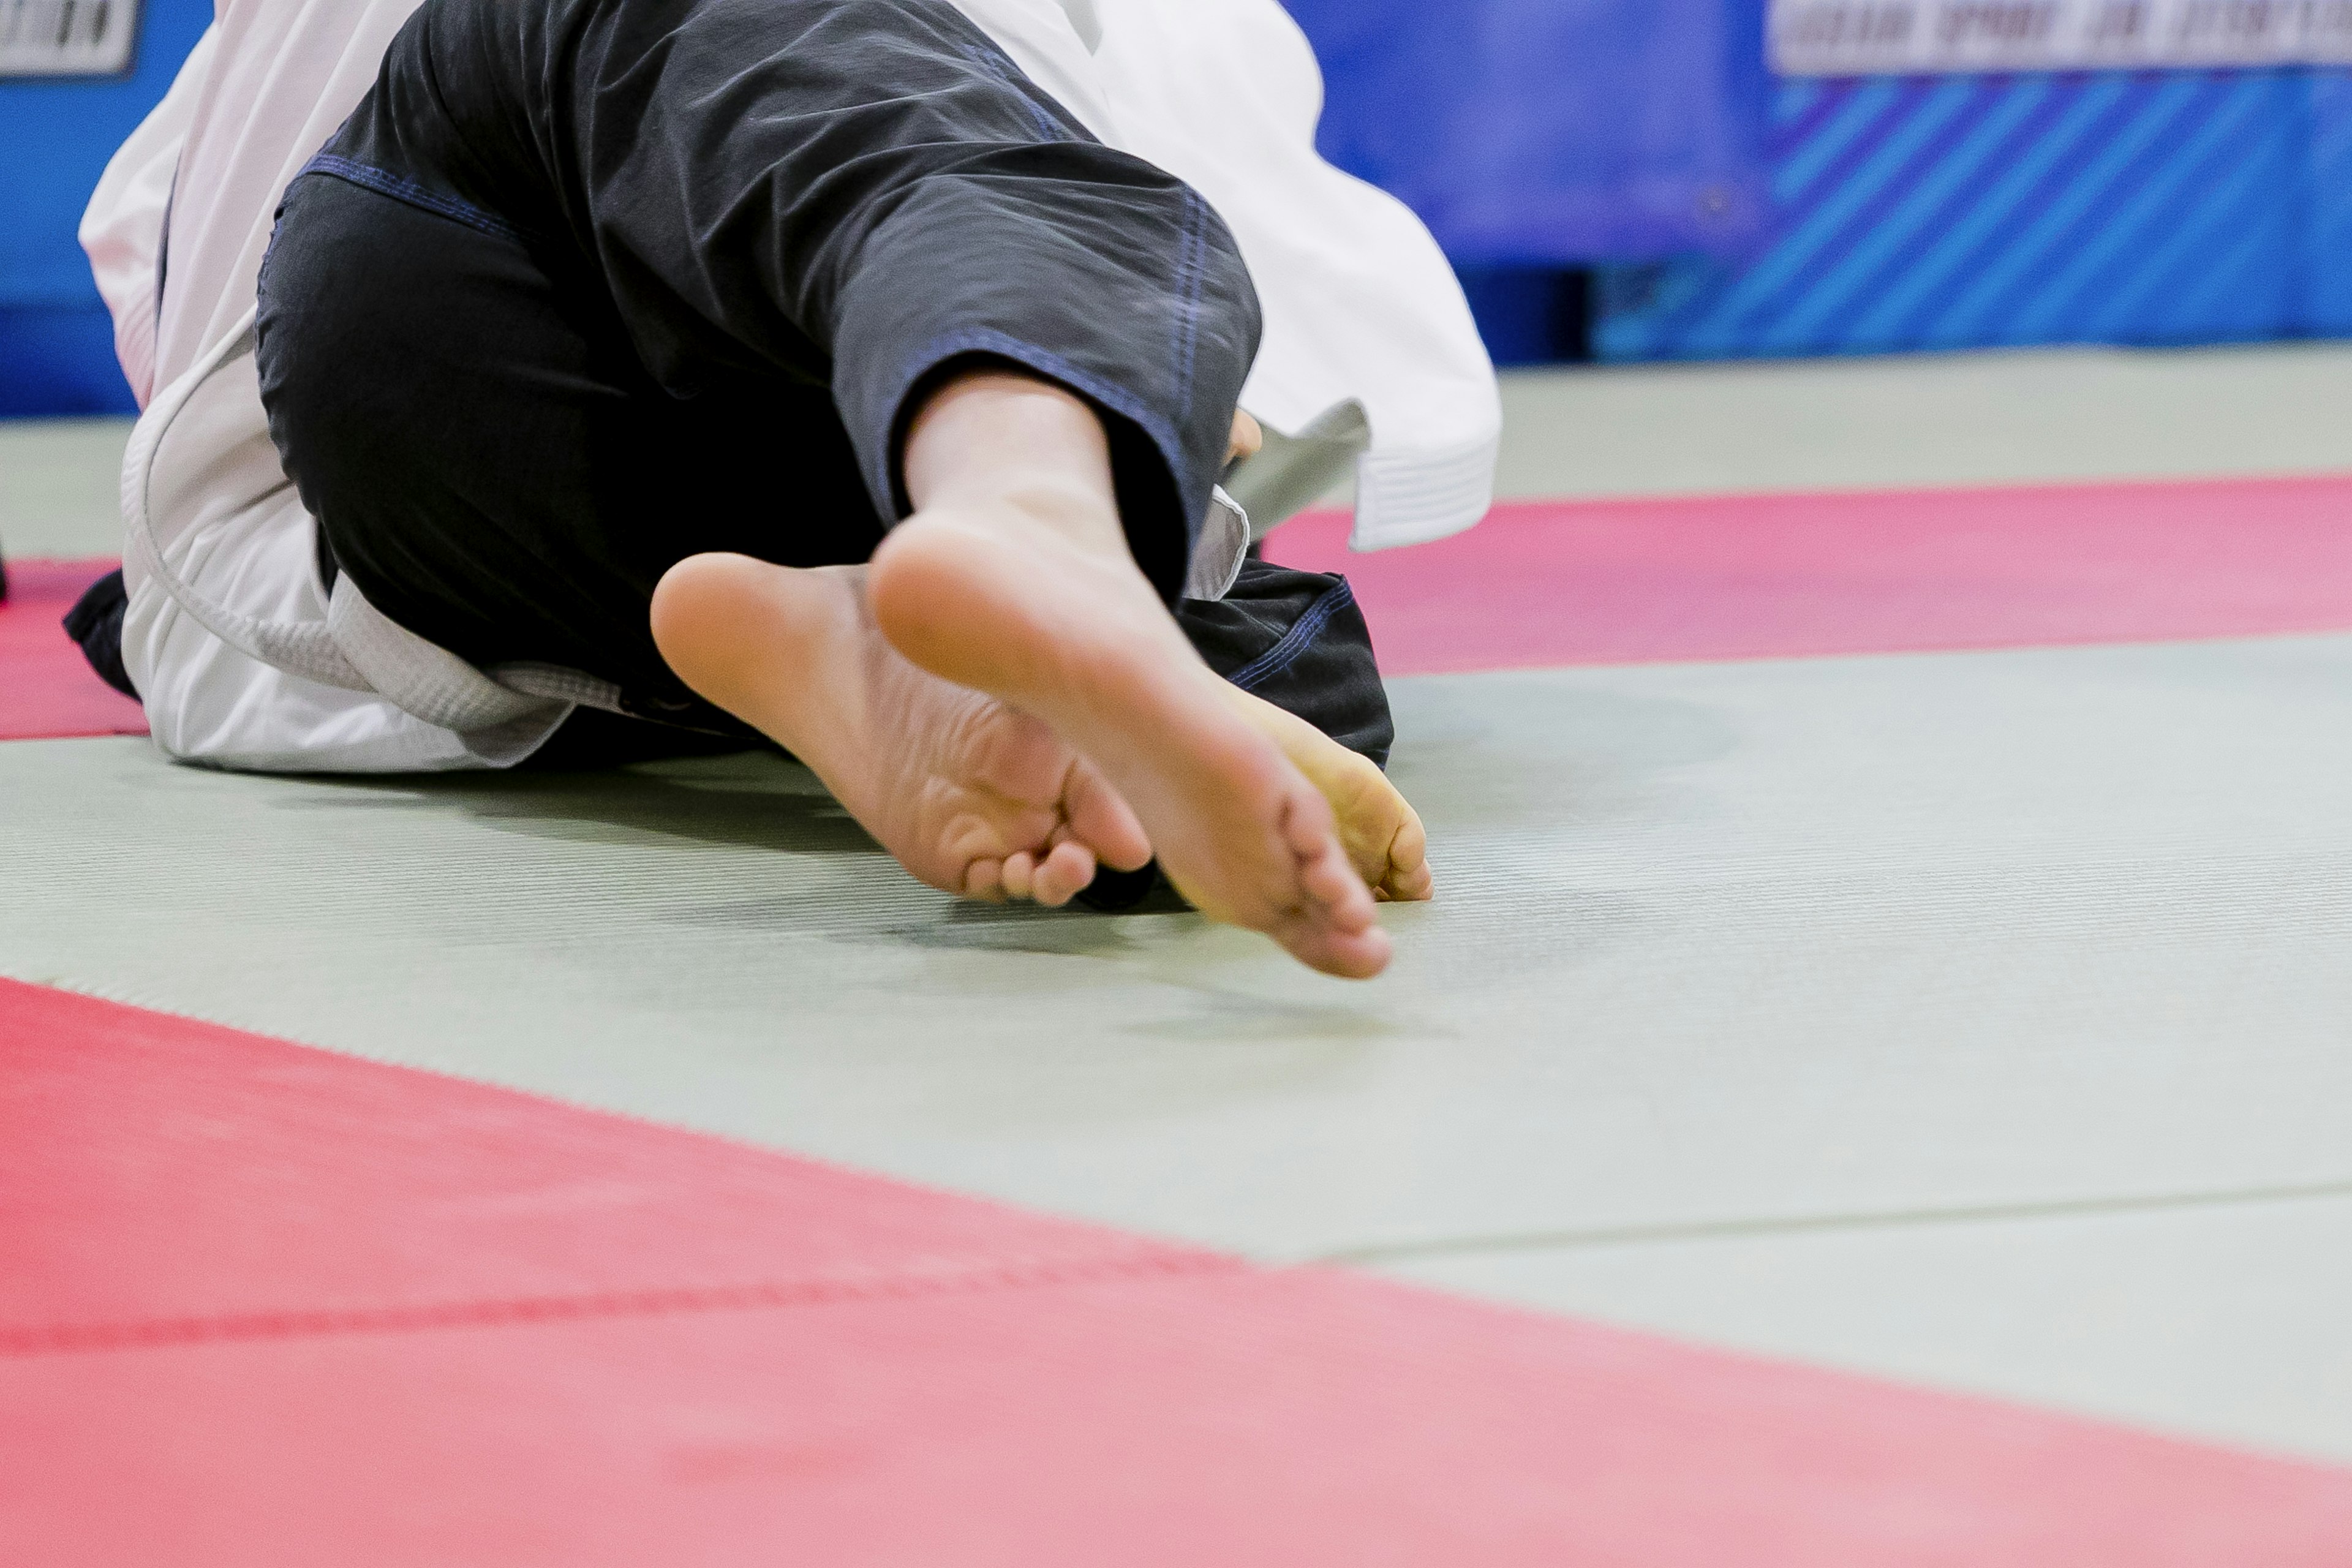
(1336, 892)
(1409, 879)
(1308, 823)
(984, 880)
(1100, 818)
(1331, 882)
(1019, 875)
(1067, 872)
(1410, 885)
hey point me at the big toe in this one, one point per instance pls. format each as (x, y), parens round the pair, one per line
(1338, 894)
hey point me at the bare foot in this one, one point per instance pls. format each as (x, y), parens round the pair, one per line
(1377, 827)
(969, 796)
(1014, 578)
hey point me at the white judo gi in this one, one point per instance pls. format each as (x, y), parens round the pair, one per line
(240, 656)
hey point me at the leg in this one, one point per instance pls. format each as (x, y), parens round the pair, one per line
(1014, 577)
(495, 472)
(1013, 580)
(977, 219)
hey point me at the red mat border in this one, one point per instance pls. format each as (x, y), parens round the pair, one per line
(1555, 584)
(299, 1274)
(47, 691)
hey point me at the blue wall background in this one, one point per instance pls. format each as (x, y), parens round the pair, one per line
(1622, 174)
(2327, 282)
(1971, 211)
(1723, 214)
(56, 345)
(1533, 132)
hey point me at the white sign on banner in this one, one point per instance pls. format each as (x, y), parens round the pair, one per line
(1873, 38)
(67, 38)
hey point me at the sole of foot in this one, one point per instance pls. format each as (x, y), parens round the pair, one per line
(970, 796)
(1051, 616)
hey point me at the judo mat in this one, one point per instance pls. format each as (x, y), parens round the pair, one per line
(1760, 577)
(47, 690)
(1949, 997)
(1630, 581)
(291, 1308)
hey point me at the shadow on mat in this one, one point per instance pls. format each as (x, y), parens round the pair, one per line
(752, 800)
(749, 801)
(1562, 750)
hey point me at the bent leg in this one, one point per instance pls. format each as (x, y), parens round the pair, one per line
(1059, 714)
(1014, 577)
(1002, 698)
(490, 467)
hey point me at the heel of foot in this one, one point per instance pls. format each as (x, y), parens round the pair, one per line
(950, 597)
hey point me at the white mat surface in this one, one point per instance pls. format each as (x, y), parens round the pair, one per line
(1745, 946)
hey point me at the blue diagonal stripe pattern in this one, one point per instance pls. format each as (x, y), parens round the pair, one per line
(2328, 241)
(1896, 233)
(2026, 257)
(2155, 201)
(1981, 218)
(1828, 216)
(2197, 231)
(1959, 211)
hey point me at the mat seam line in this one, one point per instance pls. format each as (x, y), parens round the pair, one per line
(1711, 1230)
(279, 1326)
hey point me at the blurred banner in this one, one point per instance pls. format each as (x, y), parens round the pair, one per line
(67, 38)
(1945, 212)
(1865, 37)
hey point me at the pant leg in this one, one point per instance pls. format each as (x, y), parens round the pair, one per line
(490, 464)
(860, 193)
(1297, 639)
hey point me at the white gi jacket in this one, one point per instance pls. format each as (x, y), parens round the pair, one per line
(242, 659)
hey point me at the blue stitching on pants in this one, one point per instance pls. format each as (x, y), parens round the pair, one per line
(1294, 641)
(384, 182)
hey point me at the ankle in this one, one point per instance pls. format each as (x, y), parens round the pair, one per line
(1076, 511)
(1026, 511)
